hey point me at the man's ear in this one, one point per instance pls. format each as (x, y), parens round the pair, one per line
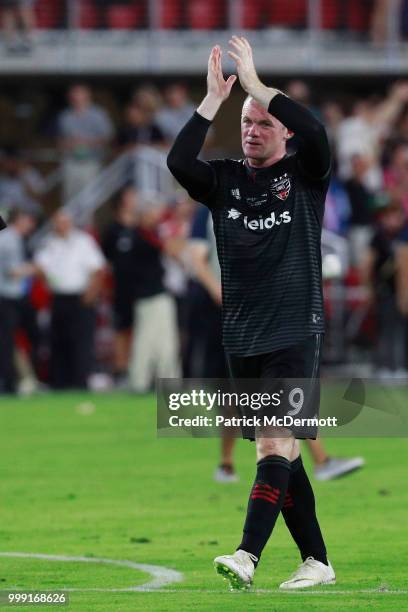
(289, 135)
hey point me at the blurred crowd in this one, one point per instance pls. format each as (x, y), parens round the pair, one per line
(138, 295)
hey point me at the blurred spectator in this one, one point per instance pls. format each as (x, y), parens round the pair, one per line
(176, 111)
(206, 322)
(119, 244)
(386, 273)
(18, 19)
(300, 91)
(337, 208)
(332, 115)
(136, 244)
(148, 98)
(398, 134)
(155, 343)
(14, 270)
(20, 183)
(174, 230)
(205, 357)
(363, 132)
(139, 128)
(396, 175)
(85, 131)
(401, 126)
(362, 207)
(72, 263)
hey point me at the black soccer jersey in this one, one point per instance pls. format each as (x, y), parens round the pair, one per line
(267, 224)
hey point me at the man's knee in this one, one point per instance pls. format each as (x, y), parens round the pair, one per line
(270, 445)
(295, 450)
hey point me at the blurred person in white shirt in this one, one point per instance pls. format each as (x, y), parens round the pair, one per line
(72, 264)
(363, 133)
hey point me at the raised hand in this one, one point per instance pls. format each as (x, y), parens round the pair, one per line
(242, 55)
(218, 89)
(217, 86)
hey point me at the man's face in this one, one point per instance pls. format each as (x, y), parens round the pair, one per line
(128, 207)
(26, 224)
(79, 96)
(62, 223)
(176, 96)
(263, 136)
(135, 115)
(393, 221)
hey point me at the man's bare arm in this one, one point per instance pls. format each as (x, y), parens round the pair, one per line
(91, 293)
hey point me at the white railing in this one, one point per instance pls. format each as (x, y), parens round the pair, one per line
(145, 167)
(151, 175)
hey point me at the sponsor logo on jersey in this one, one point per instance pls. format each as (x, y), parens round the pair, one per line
(233, 213)
(267, 223)
(280, 187)
(236, 194)
(262, 223)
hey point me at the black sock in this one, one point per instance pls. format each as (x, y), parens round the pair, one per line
(299, 513)
(265, 502)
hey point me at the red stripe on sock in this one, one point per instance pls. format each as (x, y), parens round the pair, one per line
(267, 488)
(261, 485)
(264, 496)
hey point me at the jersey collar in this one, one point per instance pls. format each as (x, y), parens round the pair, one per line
(256, 173)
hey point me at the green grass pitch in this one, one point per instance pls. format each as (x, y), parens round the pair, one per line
(85, 475)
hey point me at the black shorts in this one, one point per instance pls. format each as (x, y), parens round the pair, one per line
(301, 361)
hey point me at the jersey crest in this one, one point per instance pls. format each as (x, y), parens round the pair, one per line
(280, 187)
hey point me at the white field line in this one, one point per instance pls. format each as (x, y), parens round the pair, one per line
(327, 591)
(162, 576)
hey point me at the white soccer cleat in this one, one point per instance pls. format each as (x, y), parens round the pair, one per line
(335, 467)
(238, 568)
(310, 573)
